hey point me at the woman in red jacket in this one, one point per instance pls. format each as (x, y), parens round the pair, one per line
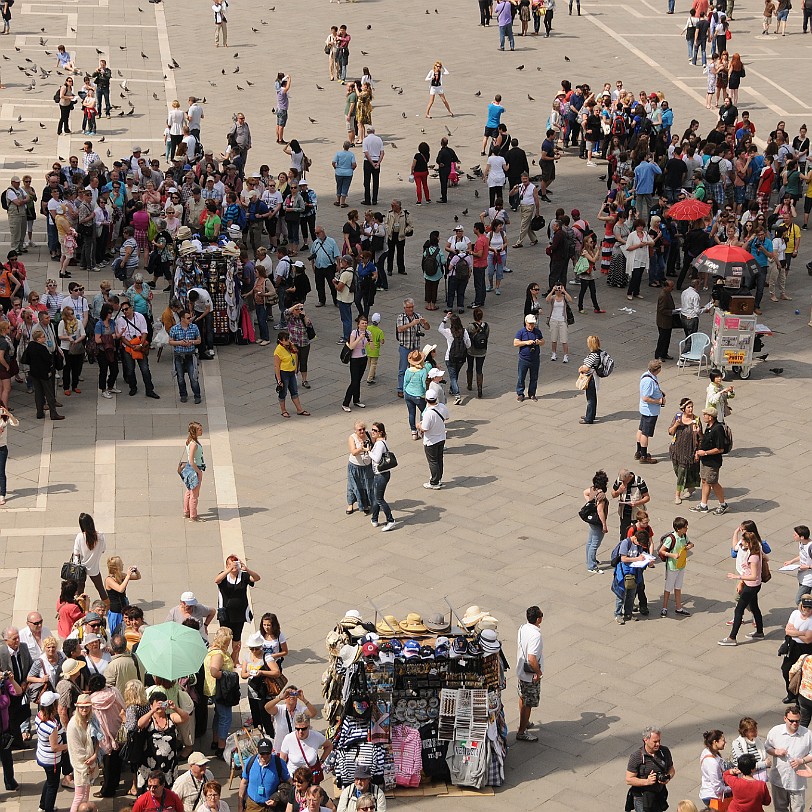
(749, 794)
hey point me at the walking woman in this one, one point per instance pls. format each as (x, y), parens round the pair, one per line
(433, 265)
(66, 102)
(479, 332)
(420, 172)
(687, 433)
(749, 587)
(435, 78)
(50, 747)
(116, 584)
(598, 528)
(380, 478)
(83, 750)
(737, 73)
(192, 471)
(359, 470)
(588, 260)
(589, 367)
(458, 343)
(88, 547)
(357, 342)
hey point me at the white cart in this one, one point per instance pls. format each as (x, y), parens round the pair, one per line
(732, 340)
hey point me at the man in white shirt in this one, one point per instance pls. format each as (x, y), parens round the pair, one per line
(432, 424)
(189, 786)
(529, 670)
(220, 7)
(133, 329)
(373, 156)
(283, 709)
(790, 746)
(33, 633)
(691, 309)
(194, 115)
(529, 207)
(89, 157)
(203, 309)
(191, 143)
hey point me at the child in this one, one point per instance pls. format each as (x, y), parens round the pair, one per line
(167, 144)
(89, 111)
(675, 552)
(628, 581)
(768, 15)
(374, 347)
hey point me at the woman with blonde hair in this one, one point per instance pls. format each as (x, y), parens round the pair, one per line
(116, 585)
(589, 367)
(192, 471)
(363, 110)
(435, 78)
(175, 121)
(83, 750)
(136, 704)
(217, 665)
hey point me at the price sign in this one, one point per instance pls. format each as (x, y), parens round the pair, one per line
(732, 357)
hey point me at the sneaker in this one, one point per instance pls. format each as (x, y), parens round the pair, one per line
(373, 522)
(458, 400)
(565, 359)
(526, 737)
(700, 509)
(360, 405)
(346, 408)
(683, 612)
(114, 390)
(553, 357)
(430, 487)
(663, 612)
(498, 292)
(107, 394)
(596, 571)
(389, 526)
(581, 310)
(756, 635)
(619, 620)
(184, 399)
(721, 510)
(728, 641)
(591, 163)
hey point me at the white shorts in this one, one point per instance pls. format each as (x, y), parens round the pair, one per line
(437, 91)
(558, 331)
(674, 579)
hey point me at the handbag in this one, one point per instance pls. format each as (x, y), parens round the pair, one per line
(316, 768)
(276, 685)
(59, 361)
(183, 463)
(377, 242)
(538, 223)
(388, 460)
(766, 575)
(589, 513)
(721, 804)
(310, 330)
(582, 382)
(74, 570)
(794, 684)
(570, 315)
(222, 615)
(345, 354)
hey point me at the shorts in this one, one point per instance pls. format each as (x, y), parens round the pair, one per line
(437, 91)
(709, 473)
(782, 16)
(491, 132)
(807, 204)
(647, 424)
(558, 331)
(674, 579)
(281, 118)
(530, 692)
(548, 171)
(738, 193)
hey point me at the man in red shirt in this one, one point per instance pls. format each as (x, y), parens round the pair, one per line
(158, 798)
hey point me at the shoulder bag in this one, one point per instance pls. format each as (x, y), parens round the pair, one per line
(316, 768)
(389, 460)
(74, 570)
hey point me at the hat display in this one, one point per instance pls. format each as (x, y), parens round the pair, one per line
(370, 649)
(256, 640)
(352, 618)
(188, 597)
(437, 623)
(349, 655)
(183, 233)
(197, 758)
(230, 249)
(413, 622)
(264, 746)
(472, 616)
(71, 667)
(411, 648)
(487, 622)
(388, 627)
(47, 698)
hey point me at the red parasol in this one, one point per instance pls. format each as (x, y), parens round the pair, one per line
(729, 261)
(689, 209)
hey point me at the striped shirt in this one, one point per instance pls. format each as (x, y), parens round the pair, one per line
(45, 754)
(408, 338)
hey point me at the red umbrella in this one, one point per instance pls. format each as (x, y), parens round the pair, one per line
(689, 209)
(729, 261)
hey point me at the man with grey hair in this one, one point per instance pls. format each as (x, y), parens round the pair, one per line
(648, 772)
(409, 326)
(122, 667)
(16, 202)
(34, 633)
(15, 660)
(372, 146)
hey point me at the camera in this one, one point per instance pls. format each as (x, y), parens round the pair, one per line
(419, 333)
(662, 778)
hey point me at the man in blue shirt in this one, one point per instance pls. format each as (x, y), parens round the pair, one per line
(761, 247)
(495, 111)
(652, 399)
(184, 338)
(529, 341)
(261, 776)
(324, 256)
(644, 175)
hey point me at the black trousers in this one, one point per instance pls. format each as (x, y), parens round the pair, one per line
(372, 175)
(398, 246)
(72, 371)
(663, 342)
(558, 272)
(357, 367)
(434, 456)
(44, 393)
(445, 173)
(484, 12)
(324, 276)
(112, 774)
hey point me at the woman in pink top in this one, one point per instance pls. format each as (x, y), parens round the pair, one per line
(68, 608)
(749, 587)
(140, 222)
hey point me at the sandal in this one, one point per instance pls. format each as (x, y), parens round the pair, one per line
(285, 414)
(303, 413)
(349, 511)
(518, 245)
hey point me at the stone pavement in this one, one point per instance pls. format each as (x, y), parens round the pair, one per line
(504, 533)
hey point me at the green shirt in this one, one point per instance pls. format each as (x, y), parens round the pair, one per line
(679, 545)
(374, 346)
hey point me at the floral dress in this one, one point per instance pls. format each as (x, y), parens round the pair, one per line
(363, 108)
(683, 450)
(160, 752)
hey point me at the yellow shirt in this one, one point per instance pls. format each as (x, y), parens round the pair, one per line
(286, 357)
(209, 682)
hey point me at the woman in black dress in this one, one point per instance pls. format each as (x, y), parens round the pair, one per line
(233, 611)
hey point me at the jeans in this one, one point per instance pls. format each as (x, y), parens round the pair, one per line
(108, 371)
(588, 285)
(222, 720)
(434, 456)
(456, 287)
(128, 362)
(626, 605)
(413, 403)
(3, 459)
(671, 4)
(453, 374)
(262, 322)
(372, 175)
(479, 286)
(403, 363)
(289, 384)
(53, 238)
(343, 185)
(748, 598)
(532, 367)
(697, 47)
(506, 31)
(359, 485)
(50, 788)
(380, 482)
(345, 311)
(591, 400)
(594, 538)
(357, 368)
(206, 326)
(186, 364)
(103, 95)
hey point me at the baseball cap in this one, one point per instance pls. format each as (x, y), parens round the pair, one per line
(530, 318)
(376, 318)
(431, 396)
(264, 746)
(370, 649)
(434, 372)
(411, 648)
(47, 698)
(188, 598)
(197, 758)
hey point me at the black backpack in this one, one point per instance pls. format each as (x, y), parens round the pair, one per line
(713, 173)
(458, 352)
(606, 365)
(728, 444)
(429, 261)
(479, 335)
(4, 200)
(228, 689)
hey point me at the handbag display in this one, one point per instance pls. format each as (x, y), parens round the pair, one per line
(74, 570)
(388, 460)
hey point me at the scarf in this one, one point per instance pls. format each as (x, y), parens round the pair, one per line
(72, 325)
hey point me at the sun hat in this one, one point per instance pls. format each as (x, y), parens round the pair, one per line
(416, 358)
(487, 622)
(351, 618)
(437, 623)
(183, 233)
(230, 249)
(71, 667)
(488, 641)
(188, 597)
(349, 655)
(90, 638)
(84, 699)
(197, 758)
(256, 640)
(47, 698)
(388, 626)
(186, 247)
(427, 349)
(413, 622)
(472, 616)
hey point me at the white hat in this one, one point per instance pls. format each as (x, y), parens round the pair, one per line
(376, 318)
(349, 655)
(197, 758)
(47, 698)
(431, 396)
(256, 640)
(188, 598)
(434, 372)
(530, 319)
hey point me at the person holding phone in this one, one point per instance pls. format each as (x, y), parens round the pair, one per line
(283, 708)
(357, 342)
(233, 608)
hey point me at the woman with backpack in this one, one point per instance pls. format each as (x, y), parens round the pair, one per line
(456, 354)
(433, 263)
(597, 529)
(479, 332)
(590, 367)
(585, 271)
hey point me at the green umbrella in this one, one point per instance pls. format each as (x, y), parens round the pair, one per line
(171, 650)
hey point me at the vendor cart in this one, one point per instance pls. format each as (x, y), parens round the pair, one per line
(732, 340)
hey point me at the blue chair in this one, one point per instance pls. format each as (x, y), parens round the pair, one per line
(694, 350)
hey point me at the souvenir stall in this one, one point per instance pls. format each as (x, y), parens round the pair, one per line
(733, 340)
(419, 703)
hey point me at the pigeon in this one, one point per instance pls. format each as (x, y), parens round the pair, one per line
(255, 30)
(250, 84)
(476, 192)
(240, 88)
(521, 67)
(122, 47)
(130, 113)
(263, 22)
(122, 96)
(464, 212)
(8, 58)
(155, 96)
(30, 150)
(530, 98)
(566, 59)
(175, 64)
(204, 100)
(223, 71)
(19, 118)
(144, 56)
(119, 74)
(312, 120)
(446, 129)
(272, 8)
(403, 114)
(145, 152)
(236, 70)
(236, 55)
(140, 9)
(777, 370)
(101, 140)
(17, 143)
(109, 154)
(369, 28)
(123, 86)
(35, 140)
(436, 12)
(121, 114)
(470, 177)
(422, 130)
(427, 11)
(478, 93)
(456, 219)
(538, 69)
(319, 87)
(42, 41)
(42, 126)
(364, 53)
(394, 146)
(99, 52)
(213, 84)
(29, 60)
(42, 30)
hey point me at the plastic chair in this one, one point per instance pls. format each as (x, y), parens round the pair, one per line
(696, 353)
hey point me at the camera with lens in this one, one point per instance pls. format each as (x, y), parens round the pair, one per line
(419, 333)
(662, 778)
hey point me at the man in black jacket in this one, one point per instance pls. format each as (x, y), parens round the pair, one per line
(445, 157)
(517, 161)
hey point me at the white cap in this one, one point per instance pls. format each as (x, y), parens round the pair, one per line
(530, 318)
(188, 598)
